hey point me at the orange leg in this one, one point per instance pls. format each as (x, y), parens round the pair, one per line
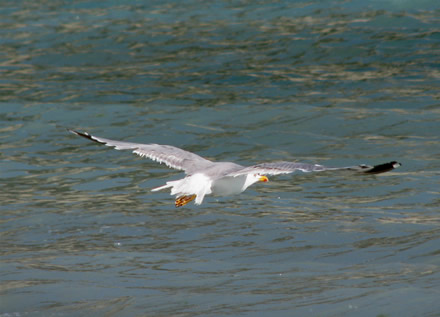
(183, 200)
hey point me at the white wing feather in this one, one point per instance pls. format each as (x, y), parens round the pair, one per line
(171, 156)
(290, 167)
(191, 163)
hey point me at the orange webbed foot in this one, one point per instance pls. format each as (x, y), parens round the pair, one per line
(183, 200)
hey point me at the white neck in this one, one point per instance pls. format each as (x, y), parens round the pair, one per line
(250, 179)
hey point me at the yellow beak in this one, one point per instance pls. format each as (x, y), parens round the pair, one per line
(263, 179)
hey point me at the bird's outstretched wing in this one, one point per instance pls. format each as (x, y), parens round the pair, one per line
(290, 167)
(172, 156)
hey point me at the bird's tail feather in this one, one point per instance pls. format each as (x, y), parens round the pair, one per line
(162, 187)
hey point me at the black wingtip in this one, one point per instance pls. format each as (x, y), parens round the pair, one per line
(73, 131)
(85, 135)
(382, 168)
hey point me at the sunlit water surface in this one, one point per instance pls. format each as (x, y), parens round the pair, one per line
(330, 82)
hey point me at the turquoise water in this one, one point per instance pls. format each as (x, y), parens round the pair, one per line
(329, 82)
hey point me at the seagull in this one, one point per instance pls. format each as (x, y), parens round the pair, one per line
(205, 177)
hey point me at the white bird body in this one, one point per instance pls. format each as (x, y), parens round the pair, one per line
(229, 185)
(205, 177)
(199, 184)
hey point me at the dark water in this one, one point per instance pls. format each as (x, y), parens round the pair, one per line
(331, 82)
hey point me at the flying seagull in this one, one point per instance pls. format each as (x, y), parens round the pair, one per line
(204, 177)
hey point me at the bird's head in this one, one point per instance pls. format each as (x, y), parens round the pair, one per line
(254, 178)
(262, 178)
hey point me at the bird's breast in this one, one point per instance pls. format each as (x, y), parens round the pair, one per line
(228, 186)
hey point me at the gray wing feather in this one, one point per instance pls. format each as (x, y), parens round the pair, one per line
(290, 167)
(170, 155)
